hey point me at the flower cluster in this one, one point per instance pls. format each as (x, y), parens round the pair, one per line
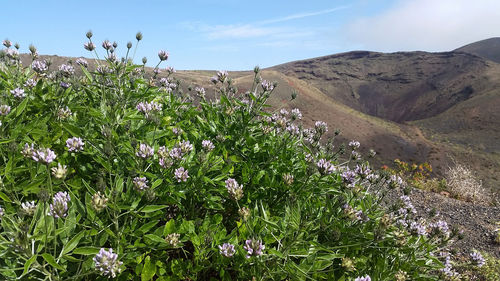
(74, 144)
(148, 108)
(59, 205)
(181, 174)
(18, 93)
(141, 183)
(66, 70)
(41, 155)
(227, 250)
(99, 201)
(253, 247)
(365, 278)
(39, 66)
(325, 167)
(200, 91)
(354, 144)
(106, 262)
(4, 109)
(207, 145)
(82, 62)
(145, 151)
(477, 258)
(267, 86)
(173, 239)
(235, 190)
(29, 208)
(60, 171)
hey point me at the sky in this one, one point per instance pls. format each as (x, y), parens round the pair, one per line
(238, 35)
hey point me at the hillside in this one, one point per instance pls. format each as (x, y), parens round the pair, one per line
(488, 49)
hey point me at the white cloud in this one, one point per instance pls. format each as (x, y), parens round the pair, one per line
(303, 15)
(430, 25)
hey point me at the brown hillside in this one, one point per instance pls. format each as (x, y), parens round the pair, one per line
(488, 49)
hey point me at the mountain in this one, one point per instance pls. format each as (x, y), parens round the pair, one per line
(488, 49)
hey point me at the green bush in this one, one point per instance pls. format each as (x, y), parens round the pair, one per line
(114, 173)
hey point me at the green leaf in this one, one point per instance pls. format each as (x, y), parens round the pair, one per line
(145, 228)
(73, 130)
(155, 238)
(89, 76)
(5, 197)
(72, 243)
(52, 261)
(86, 251)
(149, 270)
(20, 108)
(153, 208)
(169, 227)
(28, 264)
(157, 183)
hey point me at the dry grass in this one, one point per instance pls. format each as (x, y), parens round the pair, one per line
(463, 184)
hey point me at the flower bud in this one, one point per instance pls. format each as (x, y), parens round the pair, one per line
(138, 36)
(99, 202)
(144, 60)
(89, 34)
(129, 45)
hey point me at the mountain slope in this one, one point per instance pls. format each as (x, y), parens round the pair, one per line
(488, 49)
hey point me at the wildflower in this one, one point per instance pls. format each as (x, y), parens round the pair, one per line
(89, 34)
(222, 75)
(43, 155)
(235, 190)
(141, 183)
(82, 62)
(296, 114)
(361, 278)
(64, 85)
(66, 70)
(418, 228)
(288, 178)
(253, 247)
(372, 153)
(29, 208)
(354, 144)
(244, 213)
(293, 129)
(325, 167)
(200, 91)
(321, 127)
(99, 201)
(284, 112)
(106, 262)
(267, 86)
(214, 79)
(28, 150)
(163, 55)
(207, 145)
(39, 66)
(60, 171)
(176, 153)
(185, 146)
(89, 46)
(7, 43)
(448, 267)
(439, 228)
(355, 155)
(227, 250)
(4, 109)
(148, 108)
(59, 205)
(477, 258)
(103, 70)
(30, 83)
(107, 45)
(12, 53)
(145, 151)
(348, 264)
(173, 239)
(138, 36)
(181, 174)
(396, 182)
(362, 171)
(63, 113)
(170, 69)
(18, 93)
(74, 144)
(401, 276)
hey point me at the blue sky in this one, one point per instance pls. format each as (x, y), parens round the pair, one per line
(237, 35)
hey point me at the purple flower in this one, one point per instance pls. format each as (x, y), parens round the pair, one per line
(200, 91)
(29, 207)
(349, 176)
(28, 150)
(185, 146)
(43, 155)
(59, 205)
(354, 144)
(64, 85)
(439, 227)
(163, 55)
(207, 145)
(361, 278)
(66, 70)
(39, 66)
(235, 190)
(148, 108)
(140, 183)
(170, 69)
(477, 258)
(7, 43)
(227, 250)
(107, 45)
(30, 83)
(103, 70)
(74, 144)
(4, 109)
(321, 127)
(181, 174)
(293, 129)
(325, 167)
(176, 153)
(266, 85)
(106, 262)
(222, 75)
(418, 228)
(89, 46)
(253, 247)
(145, 151)
(18, 93)
(296, 114)
(82, 62)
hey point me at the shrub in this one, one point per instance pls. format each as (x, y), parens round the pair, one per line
(114, 174)
(463, 184)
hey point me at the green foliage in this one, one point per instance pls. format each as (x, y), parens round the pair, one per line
(315, 222)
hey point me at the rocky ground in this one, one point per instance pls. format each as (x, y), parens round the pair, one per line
(478, 223)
